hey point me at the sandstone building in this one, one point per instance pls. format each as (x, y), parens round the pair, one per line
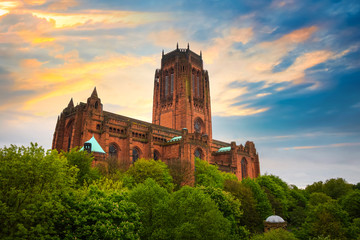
(181, 126)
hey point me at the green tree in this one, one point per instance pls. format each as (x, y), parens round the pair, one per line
(276, 234)
(326, 219)
(278, 193)
(31, 181)
(250, 217)
(315, 187)
(148, 196)
(318, 198)
(336, 188)
(351, 204)
(209, 176)
(231, 209)
(263, 205)
(191, 214)
(97, 214)
(82, 160)
(143, 169)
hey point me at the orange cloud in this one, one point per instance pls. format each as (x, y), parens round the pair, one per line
(72, 77)
(30, 63)
(106, 17)
(62, 5)
(7, 6)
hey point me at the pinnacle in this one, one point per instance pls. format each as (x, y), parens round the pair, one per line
(94, 93)
(71, 103)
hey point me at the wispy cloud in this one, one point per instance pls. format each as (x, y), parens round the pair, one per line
(335, 145)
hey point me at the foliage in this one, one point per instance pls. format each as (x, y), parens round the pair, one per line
(277, 192)
(263, 205)
(31, 182)
(318, 198)
(148, 196)
(336, 188)
(231, 209)
(276, 234)
(351, 204)
(82, 160)
(251, 217)
(98, 214)
(143, 169)
(181, 172)
(209, 176)
(191, 214)
(315, 187)
(326, 219)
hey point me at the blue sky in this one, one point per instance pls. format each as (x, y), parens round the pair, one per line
(284, 74)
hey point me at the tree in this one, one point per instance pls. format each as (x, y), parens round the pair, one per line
(82, 160)
(250, 217)
(98, 214)
(326, 219)
(191, 214)
(276, 234)
(31, 182)
(315, 187)
(351, 204)
(263, 205)
(336, 188)
(209, 176)
(231, 209)
(318, 198)
(148, 196)
(278, 193)
(143, 169)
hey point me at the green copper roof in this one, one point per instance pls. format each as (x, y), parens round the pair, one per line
(95, 146)
(174, 139)
(224, 149)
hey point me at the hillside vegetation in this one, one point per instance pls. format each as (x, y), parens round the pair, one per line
(51, 195)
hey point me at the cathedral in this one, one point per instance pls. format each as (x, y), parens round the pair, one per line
(181, 126)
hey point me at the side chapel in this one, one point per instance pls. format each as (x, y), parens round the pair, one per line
(181, 126)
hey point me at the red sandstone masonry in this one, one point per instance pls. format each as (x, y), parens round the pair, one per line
(171, 114)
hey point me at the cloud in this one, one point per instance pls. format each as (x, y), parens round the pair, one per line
(101, 18)
(336, 145)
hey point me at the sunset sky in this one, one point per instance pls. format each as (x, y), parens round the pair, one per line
(284, 74)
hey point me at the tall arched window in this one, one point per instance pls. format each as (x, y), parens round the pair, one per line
(198, 86)
(166, 85)
(198, 124)
(135, 154)
(198, 153)
(244, 172)
(113, 151)
(156, 155)
(172, 84)
(193, 83)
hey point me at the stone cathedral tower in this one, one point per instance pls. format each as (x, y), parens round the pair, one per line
(182, 93)
(180, 131)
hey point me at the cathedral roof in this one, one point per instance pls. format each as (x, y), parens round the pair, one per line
(174, 139)
(224, 149)
(95, 146)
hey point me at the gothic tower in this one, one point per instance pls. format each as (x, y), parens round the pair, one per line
(182, 93)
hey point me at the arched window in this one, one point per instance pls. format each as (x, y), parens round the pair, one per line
(113, 151)
(193, 83)
(166, 85)
(198, 153)
(244, 172)
(135, 154)
(96, 104)
(172, 84)
(198, 124)
(156, 155)
(198, 86)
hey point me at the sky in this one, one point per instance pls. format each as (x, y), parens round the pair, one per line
(284, 74)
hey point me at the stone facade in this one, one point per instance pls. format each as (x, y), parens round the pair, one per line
(181, 127)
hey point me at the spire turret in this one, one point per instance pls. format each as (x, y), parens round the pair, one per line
(94, 93)
(71, 104)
